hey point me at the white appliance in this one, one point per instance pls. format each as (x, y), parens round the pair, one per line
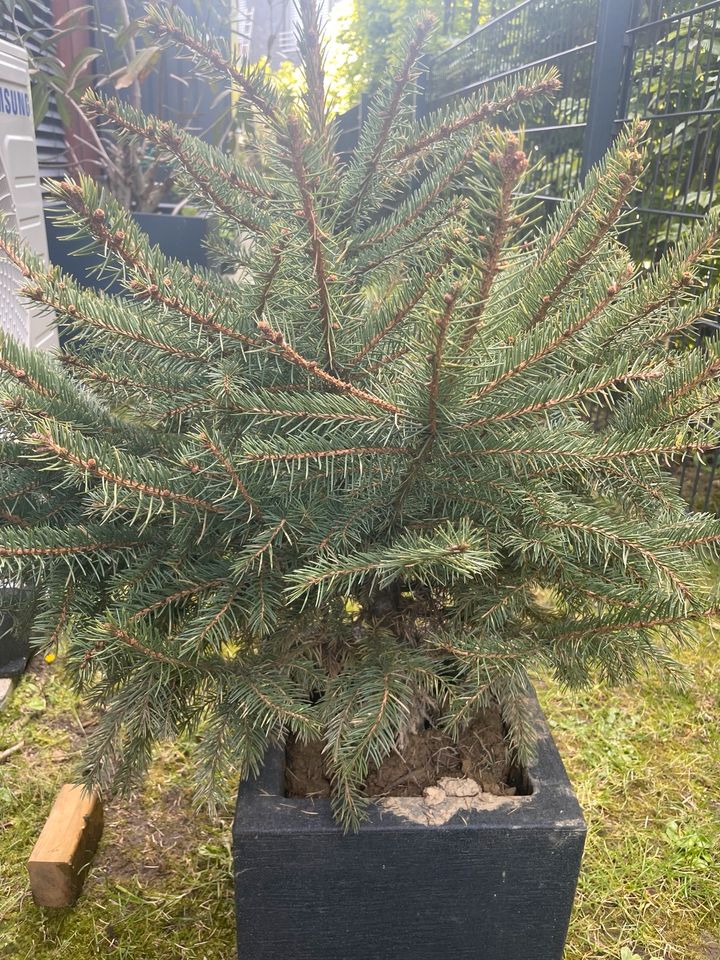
(20, 196)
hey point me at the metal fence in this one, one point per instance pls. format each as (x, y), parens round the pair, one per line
(658, 60)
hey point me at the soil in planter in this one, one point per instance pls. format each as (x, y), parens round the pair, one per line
(426, 757)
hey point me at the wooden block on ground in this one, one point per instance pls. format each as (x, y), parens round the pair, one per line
(66, 845)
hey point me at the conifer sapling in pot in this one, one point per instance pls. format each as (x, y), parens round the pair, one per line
(348, 498)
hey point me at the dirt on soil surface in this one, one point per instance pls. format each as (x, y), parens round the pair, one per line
(425, 758)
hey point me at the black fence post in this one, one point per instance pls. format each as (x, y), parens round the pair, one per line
(606, 80)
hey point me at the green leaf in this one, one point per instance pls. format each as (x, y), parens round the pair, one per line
(79, 66)
(41, 101)
(139, 68)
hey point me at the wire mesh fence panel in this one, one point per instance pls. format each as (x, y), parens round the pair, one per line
(672, 70)
(656, 60)
(536, 31)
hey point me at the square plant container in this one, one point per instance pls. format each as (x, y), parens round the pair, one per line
(14, 648)
(181, 237)
(468, 878)
(14, 633)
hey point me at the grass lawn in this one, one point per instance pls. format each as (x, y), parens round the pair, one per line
(647, 771)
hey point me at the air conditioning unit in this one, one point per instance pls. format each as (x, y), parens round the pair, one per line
(21, 201)
(20, 196)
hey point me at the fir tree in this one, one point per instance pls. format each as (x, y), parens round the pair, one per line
(356, 483)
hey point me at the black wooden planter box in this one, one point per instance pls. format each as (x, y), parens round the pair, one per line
(14, 637)
(14, 648)
(179, 236)
(495, 884)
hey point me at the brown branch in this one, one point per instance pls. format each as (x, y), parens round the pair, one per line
(339, 528)
(648, 624)
(12, 252)
(23, 377)
(232, 473)
(567, 398)
(183, 408)
(675, 285)
(15, 494)
(697, 411)
(166, 134)
(37, 293)
(155, 292)
(178, 595)
(453, 209)
(13, 519)
(388, 358)
(218, 616)
(63, 615)
(605, 223)
(475, 655)
(573, 455)
(444, 131)
(203, 181)
(326, 454)
(63, 551)
(707, 373)
(314, 68)
(426, 201)
(131, 641)
(389, 114)
(153, 288)
(91, 466)
(443, 324)
(655, 451)
(666, 333)
(266, 546)
(595, 311)
(316, 247)
(567, 225)
(653, 492)
(91, 373)
(207, 53)
(267, 285)
(311, 367)
(512, 164)
(307, 414)
(623, 542)
(404, 311)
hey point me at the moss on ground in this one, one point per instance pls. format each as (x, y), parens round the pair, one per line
(646, 767)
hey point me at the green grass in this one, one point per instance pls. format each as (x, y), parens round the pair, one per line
(646, 767)
(160, 887)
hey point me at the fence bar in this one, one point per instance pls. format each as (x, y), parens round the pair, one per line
(682, 15)
(498, 77)
(606, 80)
(490, 25)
